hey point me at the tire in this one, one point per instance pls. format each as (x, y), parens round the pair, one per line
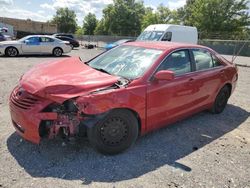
(11, 52)
(115, 133)
(221, 100)
(57, 52)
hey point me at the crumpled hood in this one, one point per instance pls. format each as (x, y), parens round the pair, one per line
(64, 79)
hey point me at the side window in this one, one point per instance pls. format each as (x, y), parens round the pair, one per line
(33, 40)
(216, 61)
(203, 59)
(178, 62)
(65, 39)
(46, 39)
(167, 36)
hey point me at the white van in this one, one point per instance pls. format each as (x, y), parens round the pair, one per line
(168, 32)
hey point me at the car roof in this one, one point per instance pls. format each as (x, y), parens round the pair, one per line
(162, 45)
(62, 34)
(40, 36)
(64, 37)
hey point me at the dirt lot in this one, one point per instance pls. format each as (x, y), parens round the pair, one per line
(202, 151)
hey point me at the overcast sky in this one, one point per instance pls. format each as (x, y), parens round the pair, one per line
(43, 10)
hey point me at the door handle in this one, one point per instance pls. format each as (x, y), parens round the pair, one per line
(190, 81)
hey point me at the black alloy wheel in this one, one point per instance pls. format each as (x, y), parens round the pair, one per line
(221, 100)
(57, 52)
(115, 133)
(11, 52)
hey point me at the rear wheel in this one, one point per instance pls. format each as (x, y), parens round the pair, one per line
(114, 133)
(57, 52)
(221, 100)
(11, 52)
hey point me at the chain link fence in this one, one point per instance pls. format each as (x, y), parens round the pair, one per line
(227, 47)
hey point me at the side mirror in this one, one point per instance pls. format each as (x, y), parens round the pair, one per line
(26, 41)
(164, 75)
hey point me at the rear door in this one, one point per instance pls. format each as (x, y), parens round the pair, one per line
(209, 75)
(47, 44)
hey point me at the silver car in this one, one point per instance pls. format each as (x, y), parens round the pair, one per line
(35, 44)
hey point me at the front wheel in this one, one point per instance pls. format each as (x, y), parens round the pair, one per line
(11, 52)
(57, 52)
(221, 100)
(114, 133)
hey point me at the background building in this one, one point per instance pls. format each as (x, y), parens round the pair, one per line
(7, 29)
(20, 28)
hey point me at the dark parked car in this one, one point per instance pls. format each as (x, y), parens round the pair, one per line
(2, 37)
(73, 43)
(64, 35)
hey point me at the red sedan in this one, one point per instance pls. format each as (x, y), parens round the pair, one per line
(120, 94)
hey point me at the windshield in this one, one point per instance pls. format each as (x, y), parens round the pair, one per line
(23, 39)
(150, 35)
(126, 61)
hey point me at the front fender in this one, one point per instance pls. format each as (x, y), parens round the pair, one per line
(133, 98)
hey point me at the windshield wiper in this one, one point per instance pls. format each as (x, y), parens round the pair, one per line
(102, 70)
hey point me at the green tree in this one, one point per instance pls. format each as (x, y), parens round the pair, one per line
(79, 32)
(224, 18)
(164, 14)
(101, 29)
(89, 24)
(65, 20)
(122, 18)
(149, 18)
(177, 16)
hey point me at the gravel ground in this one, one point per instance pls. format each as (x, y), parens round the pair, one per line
(202, 151)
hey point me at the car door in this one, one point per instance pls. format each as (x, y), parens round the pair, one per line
(31, 45)
(169, 100)
(47, 45)
(208, 76)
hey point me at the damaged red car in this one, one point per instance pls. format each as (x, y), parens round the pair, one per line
(120, 94)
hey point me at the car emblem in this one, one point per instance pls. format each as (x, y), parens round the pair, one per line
(20, 93)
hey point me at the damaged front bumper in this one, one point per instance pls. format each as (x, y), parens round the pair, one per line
(33, 120)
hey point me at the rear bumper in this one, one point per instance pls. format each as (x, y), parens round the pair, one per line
(26, 114)
(76, 45)
(67, 49)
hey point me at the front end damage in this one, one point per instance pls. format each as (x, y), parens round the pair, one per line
(73, 115)
(35, 117)
(66, 124)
